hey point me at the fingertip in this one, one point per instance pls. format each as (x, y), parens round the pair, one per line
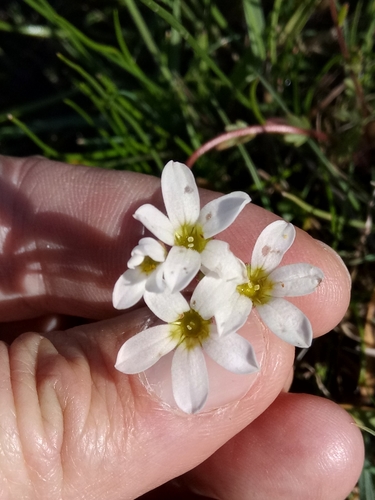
(328, 304)
(301, 447)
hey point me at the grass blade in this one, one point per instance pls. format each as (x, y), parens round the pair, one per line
(47, 150)
(255, 26)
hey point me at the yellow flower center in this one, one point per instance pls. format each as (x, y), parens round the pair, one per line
(258, 287)
(191, 329)
(148, 265)
(190, 236)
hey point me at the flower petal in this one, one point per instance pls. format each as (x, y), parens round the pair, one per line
(180, 194)
(295, 280)
(135, 260)
(204, 297)
(167, 306)
(155, 282)
(156, 222)
(152, 248)
(189, 379)
(181, 266)
(218, 298)
(144, 349)
(217, 258)
(287, 322)
(271, 245)
(232, 352)
(232, 313)
(219, 214)
(128, 289)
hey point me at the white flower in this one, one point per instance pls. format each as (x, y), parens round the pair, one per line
(145, 273)
(190, 331)
(188, 229)
(263, 284)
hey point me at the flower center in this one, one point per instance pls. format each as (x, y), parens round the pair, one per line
(190, 236)
(258, 287)
(148, 265)
(191, 328)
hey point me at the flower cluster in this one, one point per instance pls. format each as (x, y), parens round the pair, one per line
(159, 270)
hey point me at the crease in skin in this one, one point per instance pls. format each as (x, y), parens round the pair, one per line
(13, 477)
(41, 458)
(65, 371)
(48, 384)
(83, 427)
(94, 370)
(102, 407)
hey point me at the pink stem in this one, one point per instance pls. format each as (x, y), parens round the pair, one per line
(270, 128)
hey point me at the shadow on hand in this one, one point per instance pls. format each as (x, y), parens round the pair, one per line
(53, 262)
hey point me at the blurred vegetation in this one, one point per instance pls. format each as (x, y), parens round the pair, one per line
(130, 84)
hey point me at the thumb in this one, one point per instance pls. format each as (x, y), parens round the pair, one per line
(95, 432)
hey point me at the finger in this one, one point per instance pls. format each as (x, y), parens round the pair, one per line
(301, 447)
(67, 233)
(95, 432)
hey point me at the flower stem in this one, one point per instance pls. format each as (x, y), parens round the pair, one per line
(252, 130)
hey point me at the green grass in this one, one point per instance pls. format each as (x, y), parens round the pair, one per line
(132, 84)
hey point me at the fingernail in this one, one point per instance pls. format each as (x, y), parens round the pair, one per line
(224, 387)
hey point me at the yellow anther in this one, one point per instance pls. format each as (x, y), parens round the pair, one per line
(258, 286)
(190, 236)
(148, 265)
(191, 329)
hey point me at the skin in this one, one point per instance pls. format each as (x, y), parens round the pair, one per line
(72, 427)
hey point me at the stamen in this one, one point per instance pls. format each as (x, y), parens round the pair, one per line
(258, 286)
(148, 265)
(191, 329)
(190, 236)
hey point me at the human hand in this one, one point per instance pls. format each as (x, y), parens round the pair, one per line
(73, 427)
